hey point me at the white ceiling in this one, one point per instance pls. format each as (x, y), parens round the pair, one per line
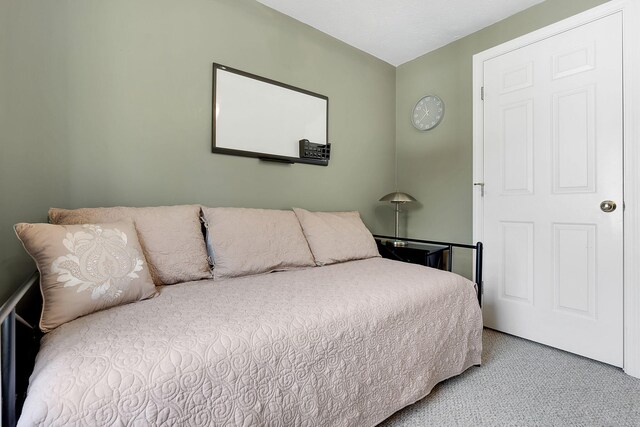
(398, 31)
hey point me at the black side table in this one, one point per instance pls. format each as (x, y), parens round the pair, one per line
(435, 256)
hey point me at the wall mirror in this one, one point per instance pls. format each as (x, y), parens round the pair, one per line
(258, 117)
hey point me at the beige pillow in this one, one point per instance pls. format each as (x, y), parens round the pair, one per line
(336, 236)
(85, 268)
(170, 236)
(253, 241)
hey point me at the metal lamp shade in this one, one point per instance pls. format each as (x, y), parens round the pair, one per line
(397, 197)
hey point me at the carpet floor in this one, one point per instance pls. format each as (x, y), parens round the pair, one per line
(522, 383)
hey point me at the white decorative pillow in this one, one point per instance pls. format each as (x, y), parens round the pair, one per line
(336, 236)
(253, 241)
(85, 268)
(171, 237)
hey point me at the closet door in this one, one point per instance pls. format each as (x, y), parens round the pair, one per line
(553, 181)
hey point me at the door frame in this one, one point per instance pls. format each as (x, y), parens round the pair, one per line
(630, 10)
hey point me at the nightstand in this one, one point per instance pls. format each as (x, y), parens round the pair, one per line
(435, 256)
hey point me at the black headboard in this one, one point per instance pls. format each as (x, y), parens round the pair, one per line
(19, 345)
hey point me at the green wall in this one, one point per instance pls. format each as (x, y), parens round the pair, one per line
(109, 103)
(34, 161)
(435, 166)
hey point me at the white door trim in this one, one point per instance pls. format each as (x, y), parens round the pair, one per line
(631, 105)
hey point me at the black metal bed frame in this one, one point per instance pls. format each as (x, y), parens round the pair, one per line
(16, 371)
(14, 386)
(478, 248)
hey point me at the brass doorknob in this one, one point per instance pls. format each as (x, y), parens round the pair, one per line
(608, 206)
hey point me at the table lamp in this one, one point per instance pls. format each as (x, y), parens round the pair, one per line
(398, 198)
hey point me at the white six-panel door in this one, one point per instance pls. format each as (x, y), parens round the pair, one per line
(552, 154)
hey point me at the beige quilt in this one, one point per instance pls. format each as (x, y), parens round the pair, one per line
(342, 345)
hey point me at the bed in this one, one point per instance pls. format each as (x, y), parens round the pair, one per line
(348, 343)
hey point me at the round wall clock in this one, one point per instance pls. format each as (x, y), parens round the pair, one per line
(427, 113)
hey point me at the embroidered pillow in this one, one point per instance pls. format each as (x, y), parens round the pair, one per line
(253, 241)
(85, 268)
(336, 236)
(171, 237)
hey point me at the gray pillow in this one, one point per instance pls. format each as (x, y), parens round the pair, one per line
(253, 241)
(336, 236)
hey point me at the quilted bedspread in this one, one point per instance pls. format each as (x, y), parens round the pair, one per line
(341, 345)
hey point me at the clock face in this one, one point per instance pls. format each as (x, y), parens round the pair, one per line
(427, 113)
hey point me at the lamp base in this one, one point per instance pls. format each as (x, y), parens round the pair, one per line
(399, 243)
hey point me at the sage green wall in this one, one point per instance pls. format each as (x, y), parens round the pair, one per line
(34, 159)
(435, 166)
(109, 103)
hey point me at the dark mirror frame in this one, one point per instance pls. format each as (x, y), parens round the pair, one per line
(262, 156)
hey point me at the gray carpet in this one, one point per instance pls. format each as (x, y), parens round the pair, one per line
(522, 383)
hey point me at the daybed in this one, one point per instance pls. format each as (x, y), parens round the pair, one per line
(287, 332)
